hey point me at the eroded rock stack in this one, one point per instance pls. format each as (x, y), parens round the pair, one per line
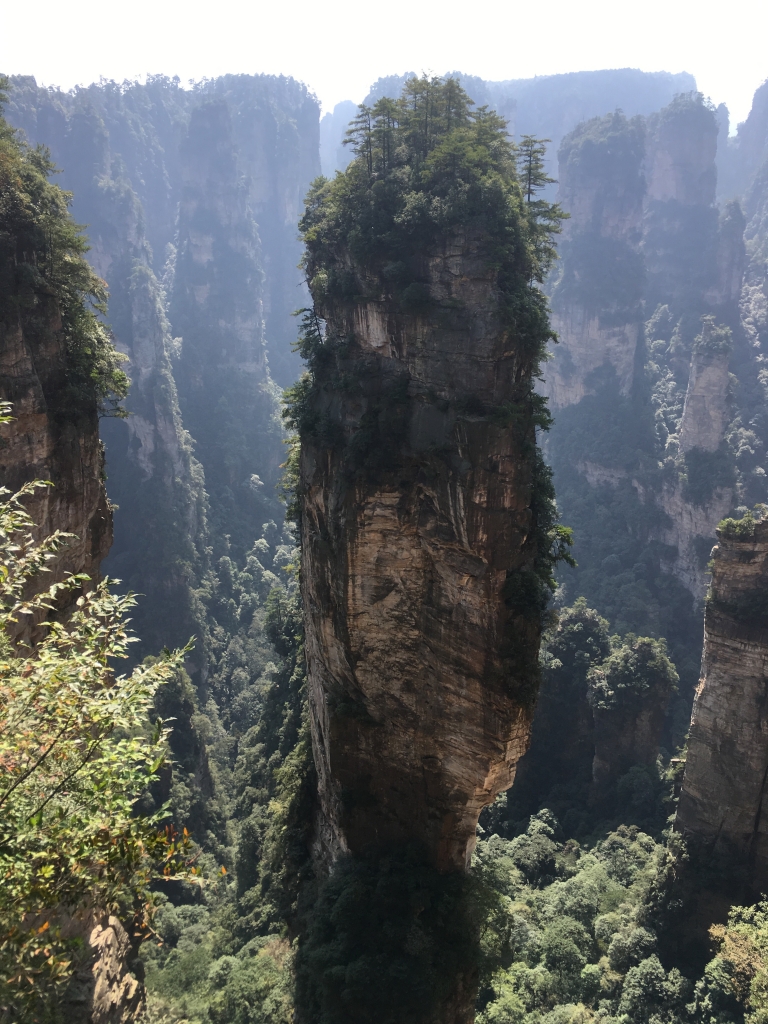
(419, 709)
(722, 801)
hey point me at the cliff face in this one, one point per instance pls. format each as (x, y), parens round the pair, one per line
(57, 365)
(722, 800)
(42, 445)
(226, 395)
(135, 134)
(595, 303)
(171, 183)
(706, 402)
(644, 447)
(418, 707)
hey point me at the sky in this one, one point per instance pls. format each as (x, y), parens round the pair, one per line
(339, 47)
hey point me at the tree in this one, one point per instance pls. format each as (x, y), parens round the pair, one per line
(76, 751)
(544, 218)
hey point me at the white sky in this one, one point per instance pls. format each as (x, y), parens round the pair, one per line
(339, 47)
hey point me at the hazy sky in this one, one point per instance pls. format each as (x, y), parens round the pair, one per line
(338, 47)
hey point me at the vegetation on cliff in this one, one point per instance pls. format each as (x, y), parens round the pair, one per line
(77, 749)
(44, 277)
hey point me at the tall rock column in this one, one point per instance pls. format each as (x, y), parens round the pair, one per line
(420, 701)
(722, 803)
(423, 503)
(705, 413)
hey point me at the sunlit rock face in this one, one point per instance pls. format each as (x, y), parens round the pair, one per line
(422, 676)
(722, 802)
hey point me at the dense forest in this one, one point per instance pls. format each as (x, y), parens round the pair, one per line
(633, 244)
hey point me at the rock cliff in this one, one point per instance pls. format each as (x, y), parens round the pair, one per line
(419, 707)
(421, 519)
(595, 303)
(39, 444)
(643, 447)
(722, 799)
(58, 368)
(706, 401)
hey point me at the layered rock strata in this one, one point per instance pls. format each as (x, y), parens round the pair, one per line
(421, 674)
(43, 444)
(722, 803)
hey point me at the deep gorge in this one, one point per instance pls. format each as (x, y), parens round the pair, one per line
(362, 690)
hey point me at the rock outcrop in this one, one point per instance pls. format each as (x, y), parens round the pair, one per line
(706, 401)
(102, 990)
(39, 444)
(722, 802)
(419, 699)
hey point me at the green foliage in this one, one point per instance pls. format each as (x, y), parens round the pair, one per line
(386, 941)
(636, 671)
(76, 752)
(715, 339)
(595, 690)
(221, 959)
(44, 277)
(743, 528)
(427, 165)
(568, 941)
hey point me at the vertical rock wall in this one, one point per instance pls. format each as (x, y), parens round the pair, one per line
(595, 305)
(706, 401)
(42, 445)
(722, 803)
(421, 677)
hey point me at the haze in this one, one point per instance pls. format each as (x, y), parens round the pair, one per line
(339, 48)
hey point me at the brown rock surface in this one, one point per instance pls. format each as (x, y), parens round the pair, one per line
(103, 990)
(41, 444)
(722, 799)
(421, 678)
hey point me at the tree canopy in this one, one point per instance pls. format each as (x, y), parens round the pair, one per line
(425, 165)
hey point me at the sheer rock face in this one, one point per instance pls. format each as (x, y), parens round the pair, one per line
(110, 142)
(705, 413)
(680, 159)
(41, 445)
(688, 524)
(589, 347)
(606, 216)
(722, 802)
(102, 990)
(421, 679)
